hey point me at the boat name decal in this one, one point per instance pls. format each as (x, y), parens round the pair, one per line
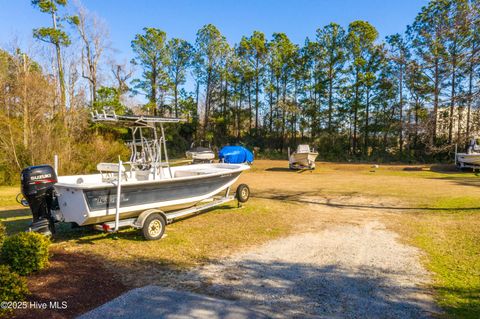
(42, 176)
(111, 199)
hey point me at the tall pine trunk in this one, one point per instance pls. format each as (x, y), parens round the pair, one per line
(367, 115)
(401, 110)
(436, 93)
(61, 74)
(452, 96)
(355, 114)
(257, 89)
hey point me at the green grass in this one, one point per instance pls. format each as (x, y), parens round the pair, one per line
(15, 220)
(459, 204)
(452, 245)
(8, 195)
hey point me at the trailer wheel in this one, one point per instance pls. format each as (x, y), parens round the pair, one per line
(153, 227)
(243, 193)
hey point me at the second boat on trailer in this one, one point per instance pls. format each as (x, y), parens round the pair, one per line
(145, 192)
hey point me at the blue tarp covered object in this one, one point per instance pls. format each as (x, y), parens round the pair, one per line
(235, 155)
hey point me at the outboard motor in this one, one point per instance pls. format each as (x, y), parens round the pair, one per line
(37, 188)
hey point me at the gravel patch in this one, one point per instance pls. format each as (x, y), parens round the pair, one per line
(346, 271)
(151, 302)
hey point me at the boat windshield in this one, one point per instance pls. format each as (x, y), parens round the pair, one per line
(303, 148)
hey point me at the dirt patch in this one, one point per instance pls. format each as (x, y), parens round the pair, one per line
(75, 278)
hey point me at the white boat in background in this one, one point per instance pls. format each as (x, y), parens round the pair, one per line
(470, 158)
(303, 158)
(202, 153)
(145, 192)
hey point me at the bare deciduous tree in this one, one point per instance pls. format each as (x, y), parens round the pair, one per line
(94, 36)
(121, 73)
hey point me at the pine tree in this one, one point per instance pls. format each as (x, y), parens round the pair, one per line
(360, 40)
(55, 35)
(179, 59)
(151, 55)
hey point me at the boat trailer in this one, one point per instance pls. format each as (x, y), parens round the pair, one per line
(152, 222)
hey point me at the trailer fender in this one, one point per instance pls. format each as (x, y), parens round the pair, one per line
(143, 216)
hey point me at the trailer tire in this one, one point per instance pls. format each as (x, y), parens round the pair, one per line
(153, 227)
(243, 193)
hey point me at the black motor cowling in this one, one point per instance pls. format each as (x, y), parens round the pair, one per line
(38, 190)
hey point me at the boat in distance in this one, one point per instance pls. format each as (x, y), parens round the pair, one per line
(303, 158)
(471, 157)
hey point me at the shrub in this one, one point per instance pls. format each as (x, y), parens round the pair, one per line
(26, 252)
(12, 286)
(2, 233)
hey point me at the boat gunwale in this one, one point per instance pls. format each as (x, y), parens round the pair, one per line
(106, 185)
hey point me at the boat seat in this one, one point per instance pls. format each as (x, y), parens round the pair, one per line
(109, 171)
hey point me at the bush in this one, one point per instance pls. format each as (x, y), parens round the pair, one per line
(3, 234)
(26, 252)
(12, 286)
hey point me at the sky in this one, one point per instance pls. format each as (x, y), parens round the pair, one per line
(182, 18)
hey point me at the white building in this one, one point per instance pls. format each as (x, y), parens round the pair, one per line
(460, 115)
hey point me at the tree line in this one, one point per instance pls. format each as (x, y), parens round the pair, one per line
(345, 91)
(410, 96)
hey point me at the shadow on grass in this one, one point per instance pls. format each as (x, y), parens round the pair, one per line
(467, 301)
(18, 220)
(469, 180)
(445, 169)
(312, 197)
(279, 169)
(286, 169)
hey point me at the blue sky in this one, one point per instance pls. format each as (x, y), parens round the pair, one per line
(182, 18)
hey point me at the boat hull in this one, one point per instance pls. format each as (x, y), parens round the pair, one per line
(468, 159)
(97, 205)
(303, 160)
(201, 156)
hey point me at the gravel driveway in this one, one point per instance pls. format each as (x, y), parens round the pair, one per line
(348, 271)
(343, 263)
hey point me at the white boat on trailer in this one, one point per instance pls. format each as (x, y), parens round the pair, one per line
(145, 192)
(303, 158)
(470, 158)
(201, 153)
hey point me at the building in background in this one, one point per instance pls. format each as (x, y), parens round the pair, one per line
(459, 125)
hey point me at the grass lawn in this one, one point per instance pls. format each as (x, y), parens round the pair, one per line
(441, 216)
(451, 241)
(8, 195)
